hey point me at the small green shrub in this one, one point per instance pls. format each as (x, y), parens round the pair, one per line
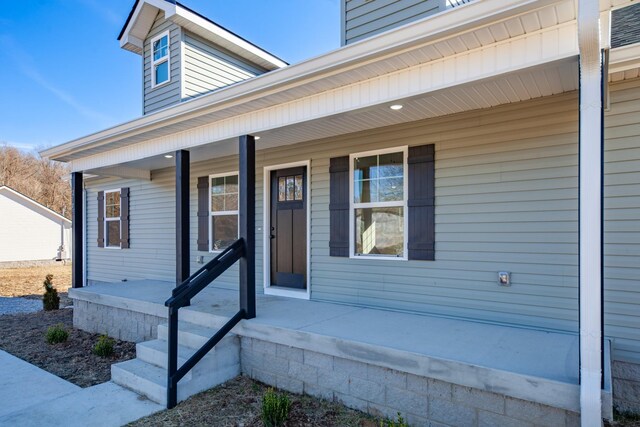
(56, 334)
(104, 346)
(51, 300)
(275, 408)
(400, 422)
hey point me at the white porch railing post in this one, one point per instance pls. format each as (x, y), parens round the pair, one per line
(590, 218)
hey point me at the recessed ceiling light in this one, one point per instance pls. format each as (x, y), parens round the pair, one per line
(256, 138)
(168, 156)
(396, 107)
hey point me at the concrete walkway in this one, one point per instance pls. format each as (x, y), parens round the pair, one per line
(31, 396)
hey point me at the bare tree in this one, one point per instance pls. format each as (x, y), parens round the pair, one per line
(39, 179)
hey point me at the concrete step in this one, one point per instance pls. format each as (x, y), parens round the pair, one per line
(191, 335)
(223, 355)
(147, 374)
(143, 378)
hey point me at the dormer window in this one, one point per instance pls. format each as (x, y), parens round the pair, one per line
(160, 59)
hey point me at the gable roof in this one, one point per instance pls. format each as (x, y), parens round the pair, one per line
(625, 26)
(144, 12)
(29, 201)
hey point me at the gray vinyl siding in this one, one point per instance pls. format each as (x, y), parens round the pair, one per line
(152, 231)
(207, 68)
(622, 220)
(364, 18)
(506, 199)
(169, 93)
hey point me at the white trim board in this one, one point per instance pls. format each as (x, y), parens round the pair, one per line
(266, 227)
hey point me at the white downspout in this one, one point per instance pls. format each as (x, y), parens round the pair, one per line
(590, 221)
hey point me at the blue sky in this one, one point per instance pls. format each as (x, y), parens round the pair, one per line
(63, 74)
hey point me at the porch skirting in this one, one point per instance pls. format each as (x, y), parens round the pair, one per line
(120, 323)
(386, 392)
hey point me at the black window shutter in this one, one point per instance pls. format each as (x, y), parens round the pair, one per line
(124, 218)
(421, 202)
(339, 207)
(101, 219)
(203, 213)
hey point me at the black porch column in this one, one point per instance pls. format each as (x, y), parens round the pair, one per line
(77, 216)
(247, 181)
(182, 216)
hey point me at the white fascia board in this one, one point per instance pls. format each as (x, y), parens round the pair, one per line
(123, 172)
(243, 47)
(624, 58)
(32, 202)
(355, 55)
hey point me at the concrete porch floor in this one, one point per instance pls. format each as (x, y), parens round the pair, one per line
(532, 365)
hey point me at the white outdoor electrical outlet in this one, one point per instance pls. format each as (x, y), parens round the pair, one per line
(200, 259)
(504, 278)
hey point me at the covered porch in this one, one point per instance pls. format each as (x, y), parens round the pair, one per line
(372, 359)
(449, 69)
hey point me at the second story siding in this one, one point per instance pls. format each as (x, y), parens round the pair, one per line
(365, 18)
(207, 68)
(155, 98)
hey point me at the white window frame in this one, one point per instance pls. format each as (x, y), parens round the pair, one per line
(221, 213)
(166, 59)
(353, 206)
(108, 220)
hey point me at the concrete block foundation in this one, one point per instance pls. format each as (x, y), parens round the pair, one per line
(123, 324)
(385, 392)
(626, 387)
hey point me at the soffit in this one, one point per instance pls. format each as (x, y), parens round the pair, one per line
(550, 79)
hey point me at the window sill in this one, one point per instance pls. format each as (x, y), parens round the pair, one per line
(154, 86)
(378, 258)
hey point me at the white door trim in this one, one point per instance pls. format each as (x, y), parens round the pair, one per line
(266, 227)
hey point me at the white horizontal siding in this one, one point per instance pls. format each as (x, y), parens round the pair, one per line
(167, 94)
(29, 233)
(622, 220)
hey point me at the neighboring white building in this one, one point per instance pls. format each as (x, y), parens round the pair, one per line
(30, 231)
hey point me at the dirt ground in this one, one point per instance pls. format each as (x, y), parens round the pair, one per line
(27, 281)
(23, 335)
(238, 403)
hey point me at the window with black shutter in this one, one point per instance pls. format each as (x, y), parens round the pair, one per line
(382, 204)
(113, 218)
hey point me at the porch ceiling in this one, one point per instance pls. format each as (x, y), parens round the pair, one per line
(535, 82)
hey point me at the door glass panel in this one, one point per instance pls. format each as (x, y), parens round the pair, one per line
(282, 189)
(299, 188)
(290, 188)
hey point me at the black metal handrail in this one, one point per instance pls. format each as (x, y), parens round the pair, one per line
(181, 296)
